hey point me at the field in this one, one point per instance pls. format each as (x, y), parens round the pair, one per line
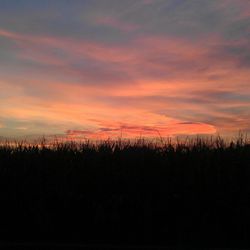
(191, 193)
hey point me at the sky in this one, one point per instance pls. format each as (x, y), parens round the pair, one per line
(124, 68)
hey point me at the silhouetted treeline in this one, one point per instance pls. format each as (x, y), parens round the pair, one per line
(189, 194)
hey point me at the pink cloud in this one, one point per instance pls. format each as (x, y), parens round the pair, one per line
(135, 131)
(167, 68)
(139, 58)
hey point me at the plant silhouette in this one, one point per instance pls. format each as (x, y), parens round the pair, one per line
(191, 193)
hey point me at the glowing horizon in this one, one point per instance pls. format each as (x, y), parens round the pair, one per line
(97, 69)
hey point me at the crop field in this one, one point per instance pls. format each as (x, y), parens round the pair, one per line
(190, 193)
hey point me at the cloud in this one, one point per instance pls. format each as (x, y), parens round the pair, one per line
(188, 123)
(145, 66)
(158, 58)
(172, 66)
(126, 130)
(117, 24)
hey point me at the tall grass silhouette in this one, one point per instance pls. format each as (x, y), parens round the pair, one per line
(192, 192)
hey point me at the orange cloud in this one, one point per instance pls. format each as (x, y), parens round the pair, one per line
(134, 131)
(149, 86)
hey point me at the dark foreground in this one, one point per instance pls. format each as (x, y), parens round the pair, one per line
(63, 246)
(67, 246)
(58, 246)
(127, 195)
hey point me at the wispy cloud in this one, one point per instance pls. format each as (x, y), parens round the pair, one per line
(128, 66)
(124, 130)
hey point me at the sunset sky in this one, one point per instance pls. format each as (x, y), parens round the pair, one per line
(110, 68)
